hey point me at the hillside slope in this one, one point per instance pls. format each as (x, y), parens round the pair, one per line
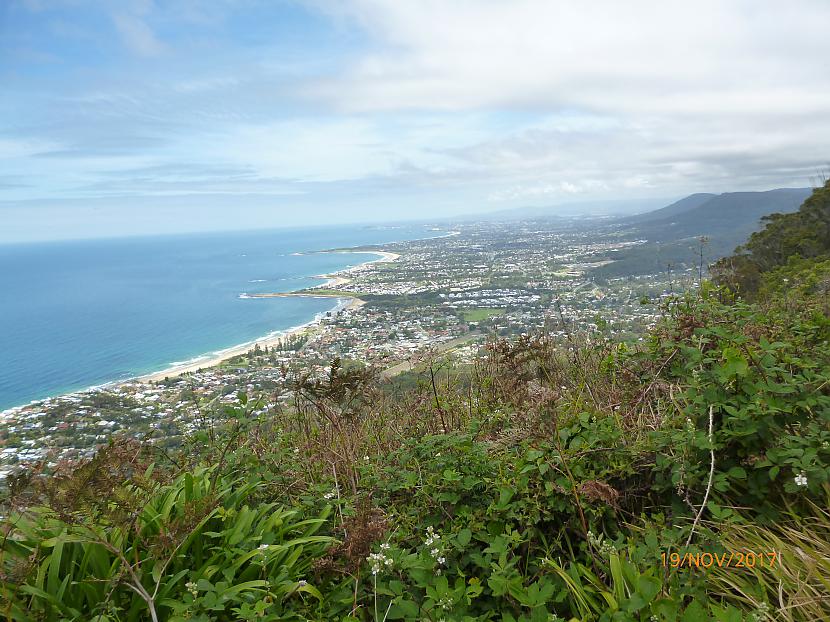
(672, 233)
(683, 205)
(732, 215)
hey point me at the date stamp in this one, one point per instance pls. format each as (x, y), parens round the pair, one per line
(728, 559)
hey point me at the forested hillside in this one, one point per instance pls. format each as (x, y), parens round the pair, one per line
(680, 477)
(792, 250)
(673, 234)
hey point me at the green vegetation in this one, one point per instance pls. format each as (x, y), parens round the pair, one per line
(478, 315)
(336, 293)
(776, 252)
(673, 233)
(557, 478)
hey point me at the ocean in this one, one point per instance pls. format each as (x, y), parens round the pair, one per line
(83, 313)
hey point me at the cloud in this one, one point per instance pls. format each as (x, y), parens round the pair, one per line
(137, 35)
(638, 94)
(631, 56)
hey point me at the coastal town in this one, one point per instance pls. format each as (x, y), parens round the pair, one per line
(442, 297)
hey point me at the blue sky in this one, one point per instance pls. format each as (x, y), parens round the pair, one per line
(134, 116)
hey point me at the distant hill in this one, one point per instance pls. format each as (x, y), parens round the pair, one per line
(683, 205)
(672, 232)
(732, 215)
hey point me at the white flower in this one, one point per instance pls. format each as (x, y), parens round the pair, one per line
(302, 583)
(378, 561)
(801, 479)
(330, 495)
(432, 537)
(262, 547)
(384, 546)
(441, 560)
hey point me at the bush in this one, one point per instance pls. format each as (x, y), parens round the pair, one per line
(191, 549)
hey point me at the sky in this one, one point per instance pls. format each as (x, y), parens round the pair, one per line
(123, 117)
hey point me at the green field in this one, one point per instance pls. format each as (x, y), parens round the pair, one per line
(321, 291)
(477, 315)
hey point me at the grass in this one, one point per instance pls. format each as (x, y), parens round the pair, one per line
(479, 315)
(322, 291)
(797, 583)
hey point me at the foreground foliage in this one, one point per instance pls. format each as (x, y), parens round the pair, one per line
(188, 549)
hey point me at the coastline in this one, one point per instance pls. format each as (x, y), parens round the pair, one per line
(276, 338)
(335, 278)
(217, 358)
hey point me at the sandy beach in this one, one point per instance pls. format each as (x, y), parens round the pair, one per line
(211, 360)
(332, 280)
(336, 278)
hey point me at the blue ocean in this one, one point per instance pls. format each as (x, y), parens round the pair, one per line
(83, 313)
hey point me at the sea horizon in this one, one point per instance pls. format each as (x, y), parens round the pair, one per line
(49, 349)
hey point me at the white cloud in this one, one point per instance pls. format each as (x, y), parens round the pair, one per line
(631, 56)
(21, 148)
(640, 94)
(137, 35)
(305, 149)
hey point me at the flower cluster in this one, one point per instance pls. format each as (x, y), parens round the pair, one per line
(446, 603)
(433, 544)
(432, 537)
(191, 587)
(330, 495)
(598, 543)
(378, 561)
(801, 479)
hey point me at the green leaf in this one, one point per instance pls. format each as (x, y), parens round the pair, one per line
(505, 495)
(402, 609)
(464, 536)
(737, 472)
(695, 613)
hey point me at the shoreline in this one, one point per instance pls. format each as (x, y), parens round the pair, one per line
(345, 302)
(335, 278)
(215, 358)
